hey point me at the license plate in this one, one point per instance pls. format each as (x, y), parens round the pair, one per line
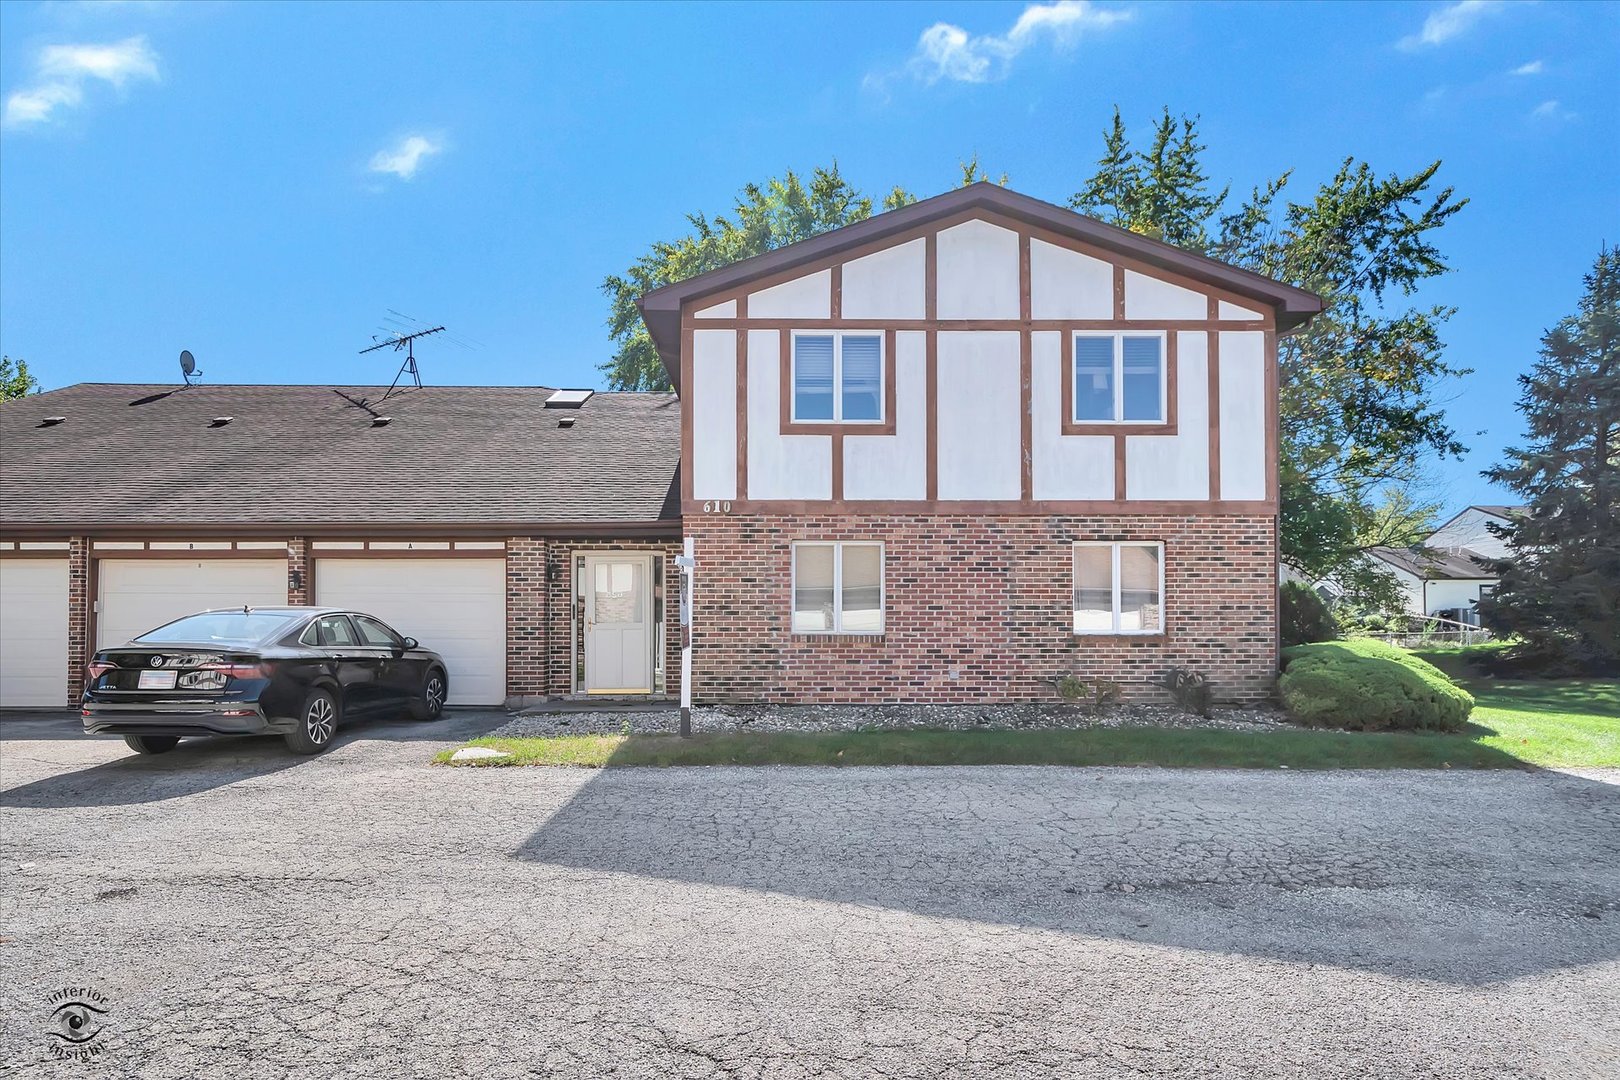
(157, 680)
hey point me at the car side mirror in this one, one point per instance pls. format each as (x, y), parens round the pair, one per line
(410, 643)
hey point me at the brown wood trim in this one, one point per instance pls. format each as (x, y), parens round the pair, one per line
(1010, 508)
(1125, 325)
(1172, 397)
(1214, 405)
(1273, 377)
(1026, 376)
(1119, 467)
(686, 414)
(836, 306)
(352, 530)
(203, 555)
(742, 405)
(836, 428)
(61, 553)
(398, 553)
(92, 603)
(931, 278)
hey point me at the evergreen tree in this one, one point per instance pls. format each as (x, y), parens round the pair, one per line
(1560, 590)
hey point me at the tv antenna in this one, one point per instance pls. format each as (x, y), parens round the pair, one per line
(188, 367)
(408, 367)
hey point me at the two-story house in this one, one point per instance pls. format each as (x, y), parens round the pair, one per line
(939, 455)
(956, 449)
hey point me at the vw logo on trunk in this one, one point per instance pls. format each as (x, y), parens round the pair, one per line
(157, 661)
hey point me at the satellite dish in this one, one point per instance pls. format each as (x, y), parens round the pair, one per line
(188, 365)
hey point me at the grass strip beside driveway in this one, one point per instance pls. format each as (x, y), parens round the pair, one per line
(1170, 747)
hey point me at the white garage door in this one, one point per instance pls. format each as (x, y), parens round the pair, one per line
(137, 595)
(33, 632)
(456, 607)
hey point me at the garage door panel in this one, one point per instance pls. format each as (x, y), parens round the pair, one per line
(137, 595)
(33, 633)
(456, 607)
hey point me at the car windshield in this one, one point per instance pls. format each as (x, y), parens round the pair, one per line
(241, 627)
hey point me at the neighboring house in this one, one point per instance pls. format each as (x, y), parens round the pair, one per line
(1445, 576)
(939, 455)
(527, 542)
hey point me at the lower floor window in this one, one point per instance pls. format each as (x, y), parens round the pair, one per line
(838, 588)
(1118, 588)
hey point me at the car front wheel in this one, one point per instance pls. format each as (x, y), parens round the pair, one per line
(152, 744)
(317, 723)
(429, 705)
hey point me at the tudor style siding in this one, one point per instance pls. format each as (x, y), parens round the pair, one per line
(978, 385)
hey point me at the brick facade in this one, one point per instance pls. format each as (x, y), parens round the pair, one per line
(298, 570)
(79, 622)
(528, 623)
(978, 608)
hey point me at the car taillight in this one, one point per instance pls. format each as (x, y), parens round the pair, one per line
(242, 671)
(97, 668)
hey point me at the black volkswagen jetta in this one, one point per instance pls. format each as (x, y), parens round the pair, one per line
(297, 672)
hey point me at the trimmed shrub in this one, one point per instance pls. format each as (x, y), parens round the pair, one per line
(1303, 615)
(1366, 685)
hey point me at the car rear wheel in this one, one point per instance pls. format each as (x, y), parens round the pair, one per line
(152, 744)
(429, 705)
(317, 723)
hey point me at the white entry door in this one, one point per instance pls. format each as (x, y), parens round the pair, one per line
(456, 607)
(138, 595)
(618, 624)
(33, 632)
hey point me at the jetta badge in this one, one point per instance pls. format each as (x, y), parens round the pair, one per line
(157, 661)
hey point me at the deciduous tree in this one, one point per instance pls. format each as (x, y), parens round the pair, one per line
(15, 381)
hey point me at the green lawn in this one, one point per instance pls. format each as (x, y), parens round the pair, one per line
(1515, 724)
(1552, 722)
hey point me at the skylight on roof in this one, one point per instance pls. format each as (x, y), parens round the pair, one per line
(568, 399)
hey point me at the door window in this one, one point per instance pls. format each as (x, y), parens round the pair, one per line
(375, 635)
(332, 631)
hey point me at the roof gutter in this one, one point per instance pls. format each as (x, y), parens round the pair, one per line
(669, 528)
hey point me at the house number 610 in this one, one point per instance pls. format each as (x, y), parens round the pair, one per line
(714, 506)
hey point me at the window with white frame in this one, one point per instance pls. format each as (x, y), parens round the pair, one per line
(838, 588)
(1118, 588)
(838, 378)
(1119, 378)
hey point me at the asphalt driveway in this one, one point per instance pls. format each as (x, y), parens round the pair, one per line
(244, 913)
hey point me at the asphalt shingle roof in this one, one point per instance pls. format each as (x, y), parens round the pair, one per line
(146, 454)
(1432, 564)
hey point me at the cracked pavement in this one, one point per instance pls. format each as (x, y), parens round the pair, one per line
(364, 914)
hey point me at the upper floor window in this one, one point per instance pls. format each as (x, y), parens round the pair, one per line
(838, 378)
(1118, 588)
(1119, 378)
(838, 588)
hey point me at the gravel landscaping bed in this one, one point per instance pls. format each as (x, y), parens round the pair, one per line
(809, 718)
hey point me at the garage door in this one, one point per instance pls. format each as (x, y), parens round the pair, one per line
(137, 595)
(456, 607)
(33, 632)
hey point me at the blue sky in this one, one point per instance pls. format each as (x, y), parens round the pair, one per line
(261, 184)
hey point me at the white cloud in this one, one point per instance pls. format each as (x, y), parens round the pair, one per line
(61, 73)
(407, 156)
(1551, 110)
(1453, 19)
(946, 51)
(1532, 68)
